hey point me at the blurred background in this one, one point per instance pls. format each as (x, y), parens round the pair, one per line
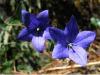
(19, 57)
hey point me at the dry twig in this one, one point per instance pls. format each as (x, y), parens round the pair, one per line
(68, 67)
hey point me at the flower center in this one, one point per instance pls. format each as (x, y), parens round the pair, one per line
(38, 29)
(70, 45)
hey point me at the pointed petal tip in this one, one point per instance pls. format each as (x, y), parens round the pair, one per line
(23, 11)
(94, 33)
(72, 18)
(83, 63)
(79, 56)
(85, 38)
(45, 11)
(24, 35)
(43, 14)
(71, 29)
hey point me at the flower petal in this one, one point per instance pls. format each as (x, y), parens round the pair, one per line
(29, 20)
(25, 17)
(85, 38)
(24, 35)
(43, 15)
(71, 30)
(38, 43)
(34, 23)
(43, 18)
(46, 34)
(59, 52)
(57, 35)
(78, 55)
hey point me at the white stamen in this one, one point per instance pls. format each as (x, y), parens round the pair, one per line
(70, 44)
(38, 29)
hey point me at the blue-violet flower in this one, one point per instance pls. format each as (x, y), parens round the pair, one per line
(36, 29)
(71, 43)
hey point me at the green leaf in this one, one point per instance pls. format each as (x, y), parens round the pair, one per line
(13, 22)
(95, 21)
(7, 67)
(2, 24)
(25, 68)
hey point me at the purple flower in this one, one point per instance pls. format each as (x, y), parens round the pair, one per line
(36, 29)
(71, 43)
